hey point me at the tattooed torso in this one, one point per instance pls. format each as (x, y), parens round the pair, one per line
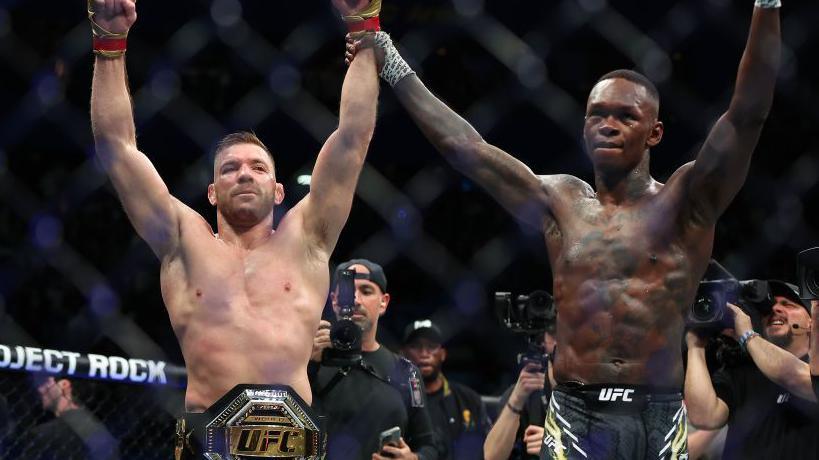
(624, 276)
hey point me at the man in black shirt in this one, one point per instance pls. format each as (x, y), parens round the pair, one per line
(74, 433)
(764, 419)
(375, 394)
(458, 414)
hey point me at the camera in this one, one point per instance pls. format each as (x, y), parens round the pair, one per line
(345, 335)
(808, 269)
(710, 308)
(530, 315)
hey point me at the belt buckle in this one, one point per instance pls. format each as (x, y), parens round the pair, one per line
(261, 421)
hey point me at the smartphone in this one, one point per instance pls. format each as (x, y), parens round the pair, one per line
(390, 436)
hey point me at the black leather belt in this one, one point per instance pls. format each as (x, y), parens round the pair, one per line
(252, 422)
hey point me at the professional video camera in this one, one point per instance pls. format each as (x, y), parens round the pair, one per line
(808, 268)
(710, 313)
(345, 335)
(530, 315)
(710, 309)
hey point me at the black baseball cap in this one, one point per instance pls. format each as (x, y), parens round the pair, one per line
(376, 274)
(422, 328)
(789, 291)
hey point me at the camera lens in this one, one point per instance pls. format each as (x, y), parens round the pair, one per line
(703, 309)
(812, 282)
(345, 335)
(537, 304)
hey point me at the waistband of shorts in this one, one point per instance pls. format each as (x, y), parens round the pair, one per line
(648, 393)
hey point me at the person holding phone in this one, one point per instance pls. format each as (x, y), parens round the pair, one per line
(365, 400)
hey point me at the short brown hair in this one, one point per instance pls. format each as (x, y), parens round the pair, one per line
(241, 137)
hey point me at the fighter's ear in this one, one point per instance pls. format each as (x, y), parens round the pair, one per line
(212, 194)
(443, 354)
(656, 134)
(279, 193)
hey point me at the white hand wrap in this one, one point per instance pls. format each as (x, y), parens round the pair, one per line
(768, 3)
(395, 67)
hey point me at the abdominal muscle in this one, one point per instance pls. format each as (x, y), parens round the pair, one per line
(244, 331)
(623, 338)
(224, 356)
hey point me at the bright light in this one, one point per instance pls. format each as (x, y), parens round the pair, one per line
(304, 179)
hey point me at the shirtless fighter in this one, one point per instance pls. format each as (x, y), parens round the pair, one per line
(627, 254)
(244, 302)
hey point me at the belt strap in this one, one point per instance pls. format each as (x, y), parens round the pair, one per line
(617, 397)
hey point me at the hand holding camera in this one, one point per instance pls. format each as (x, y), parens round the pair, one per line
(742, 322)
(531, 378)
(321, 341)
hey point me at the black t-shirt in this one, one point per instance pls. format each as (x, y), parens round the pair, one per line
(460, 421)
(365, 401)
(75, 435)
(533, 413)
(765, 421)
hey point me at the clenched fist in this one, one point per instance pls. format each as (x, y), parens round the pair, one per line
(350, 7)
(115, 16)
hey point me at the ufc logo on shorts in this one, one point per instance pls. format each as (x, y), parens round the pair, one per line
(549, 440)
(612, 394)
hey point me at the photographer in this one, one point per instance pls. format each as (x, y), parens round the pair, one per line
(518, 430)
(367, 390)
(764, 419)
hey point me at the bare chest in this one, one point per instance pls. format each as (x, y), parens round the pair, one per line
(215, 283)
(617, 242)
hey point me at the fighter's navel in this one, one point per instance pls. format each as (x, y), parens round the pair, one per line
(198, 293)
(287, 286)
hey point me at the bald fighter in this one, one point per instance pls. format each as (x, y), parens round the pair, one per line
(244, 301)
(626, 254)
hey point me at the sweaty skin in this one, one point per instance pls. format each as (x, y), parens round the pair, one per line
(244, 302)
(623, 277)
(243, 316)
(627, 254)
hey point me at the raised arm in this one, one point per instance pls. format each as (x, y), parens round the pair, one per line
(149, 205)
(777, 364)
(502, 436)
(508, 180)
(340, 160)
(722, 164)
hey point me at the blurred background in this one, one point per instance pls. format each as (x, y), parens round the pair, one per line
(75, 276)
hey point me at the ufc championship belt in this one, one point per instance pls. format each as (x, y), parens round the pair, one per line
(251, 422)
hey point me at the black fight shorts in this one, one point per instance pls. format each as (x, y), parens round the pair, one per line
(614, 422)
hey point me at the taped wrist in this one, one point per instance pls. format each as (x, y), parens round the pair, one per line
(768, 3)
(395, 67)
(365, 20)
(104, 42)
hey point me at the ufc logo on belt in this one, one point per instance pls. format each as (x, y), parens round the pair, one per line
(613, 394)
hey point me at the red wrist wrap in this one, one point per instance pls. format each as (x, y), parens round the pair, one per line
(109, 44)
(367, 25)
